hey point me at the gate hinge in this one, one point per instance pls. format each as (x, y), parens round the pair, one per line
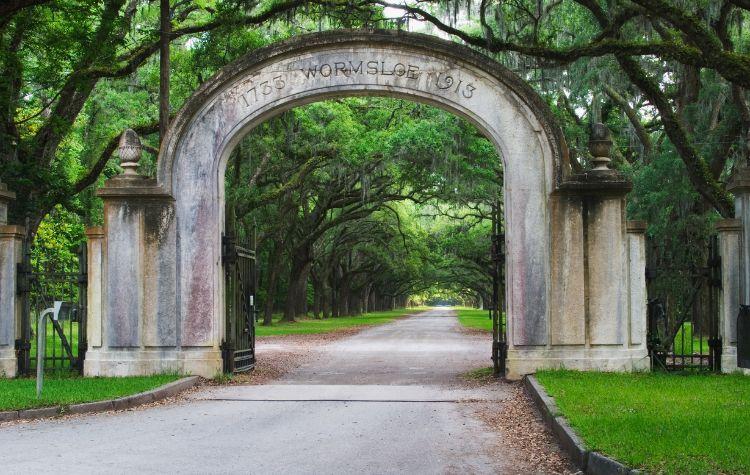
(21, 345)
(228, 250)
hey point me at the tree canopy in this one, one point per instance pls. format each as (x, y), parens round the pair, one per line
(351, 190)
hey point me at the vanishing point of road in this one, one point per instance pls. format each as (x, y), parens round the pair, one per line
(386, 400)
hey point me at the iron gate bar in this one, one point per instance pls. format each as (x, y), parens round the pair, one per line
(238, 347)
(38, 287)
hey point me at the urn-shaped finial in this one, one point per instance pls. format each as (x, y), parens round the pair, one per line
(130, 150)
(600, 146)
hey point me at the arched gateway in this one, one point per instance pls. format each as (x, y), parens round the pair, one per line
(576, 290)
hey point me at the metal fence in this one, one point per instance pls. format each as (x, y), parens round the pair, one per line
(39, 287)
(683, 314)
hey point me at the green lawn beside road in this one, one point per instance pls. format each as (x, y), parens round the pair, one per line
(308, 326)
(474, 318)
(662, 423)
(21, 393)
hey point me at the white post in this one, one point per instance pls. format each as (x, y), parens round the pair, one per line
(41, 344)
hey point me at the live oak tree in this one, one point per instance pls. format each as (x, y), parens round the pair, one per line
(343, 189)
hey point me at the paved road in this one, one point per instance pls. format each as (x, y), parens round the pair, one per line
(387, 400)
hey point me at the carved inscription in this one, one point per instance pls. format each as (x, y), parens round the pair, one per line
(370, 68)
(410, 72)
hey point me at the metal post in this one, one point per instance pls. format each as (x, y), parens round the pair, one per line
(41, 344)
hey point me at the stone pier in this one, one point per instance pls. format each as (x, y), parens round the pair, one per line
(734, 248)
(11, 252)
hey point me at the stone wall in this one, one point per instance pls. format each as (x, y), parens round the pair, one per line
(11, 251)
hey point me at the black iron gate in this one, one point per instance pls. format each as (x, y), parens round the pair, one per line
(497, 308)
(683, 320)
(40, 285)
(238, 347)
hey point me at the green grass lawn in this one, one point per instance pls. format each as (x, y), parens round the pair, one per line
(474, 318)
(311, 325)
(54, 345)
(21, 393)
(685, 343)
(659, 422)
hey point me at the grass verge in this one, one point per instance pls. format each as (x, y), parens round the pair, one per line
(474, 318)
(309, 326)
(18, 394)
(658, 422)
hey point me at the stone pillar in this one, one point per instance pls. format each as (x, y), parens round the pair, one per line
(598, 280)
(11, 253)
(638, 320)
(133, 318)
(95, 294)
(739, 185)
(730, 237)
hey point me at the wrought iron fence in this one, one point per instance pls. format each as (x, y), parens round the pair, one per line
(683, 314)
(40, 286)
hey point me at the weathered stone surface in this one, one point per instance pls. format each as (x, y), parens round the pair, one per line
(162, 278)
(10, 254)
(123, 284)
(39, 413)
(739, 185)
(5, 198)
(607, 272)
(598, 464)
(637, 281)
(567, 316)
(730, 238)
(97, 406)
(94, 306)
(386, 64)
(159, 302)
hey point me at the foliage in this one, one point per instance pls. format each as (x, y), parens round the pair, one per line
(668, 78)
(354, 200)
(656, 422)
(474, 318)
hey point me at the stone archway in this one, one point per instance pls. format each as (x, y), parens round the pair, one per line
(576, 290)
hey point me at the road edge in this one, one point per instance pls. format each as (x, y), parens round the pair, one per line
(590, 462)
(126, 402)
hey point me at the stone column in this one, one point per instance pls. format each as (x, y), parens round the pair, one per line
(637, 282)
(730, 237)
(598, 282)
(739, 185)
(134, 324)
(94, 245)
(11, 252)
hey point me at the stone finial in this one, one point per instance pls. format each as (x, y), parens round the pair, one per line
(600, 146)
(130, 150)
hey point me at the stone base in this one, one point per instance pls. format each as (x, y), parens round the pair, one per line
(204, 362)
(521, 362)
(8, 363)
(729, 361)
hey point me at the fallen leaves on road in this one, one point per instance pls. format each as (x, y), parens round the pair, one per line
(521, 429)
(277, 355)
